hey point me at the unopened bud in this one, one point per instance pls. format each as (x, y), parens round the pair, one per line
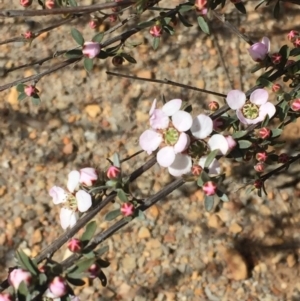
(200, 4)
(196, 170)
(127, 209)
(283, 158)
(6, 297)
(295, 105)
(276, 88)
(297, 42)
(91, 49)
(209, 188)
(74, 245)
(213, 106)
(156, 31)
(117, 60)
(264, 133)
(50, 4)
(93, 24)
(30, 90)
(25, 3)
(94, 271)
(258, 184)
(113, 18)
(58, 287)
(259, 167)
(16, 276)
(28, 35)
(292, 35)
(276, 58)
(113, 172)
(262, 157)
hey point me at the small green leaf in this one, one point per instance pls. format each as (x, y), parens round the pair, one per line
(184, 21)
(212, 155)
(203, 25)
(209, 202)
(141, 215)
(26, 262)
(73, 54)
(98, 37)
(22, 96)
(200, 181)
(243, 144)
(276, 132)
(122, 195)
(101, 251)
(116, 160)
(81, 266)
(42, 279)
(266, 121)
(88, 64)
(169, 29)
(204, 176)
(112, 215)
(276, 11)
(240, 7)
(35, 99)
(73, 3)
(23, 292)
(145, 24)
(155, 43)
(20, 88)
(89, 231)
(77, 36)
(186, 8)
(128, 58)
(239, 134)
(223, 196)
(264, 82)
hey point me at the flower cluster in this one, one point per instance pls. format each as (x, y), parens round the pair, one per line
(75, 199)
(182, 140)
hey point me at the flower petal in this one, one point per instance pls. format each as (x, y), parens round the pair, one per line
(241, 117)
(73, 180)
(267, 108)
(73, 219)
(182, 121)
(165, 156)
(202, 126)
(259, 96)
(181, 165)
(214, 168)
(65, 217)
(235, 99)
(150, 141)
(266, 42)
(159, 120)
(88, 175)
(84, 200)
(172, 106)
(58, 195)
(219, 142)
(153, 107)
(182, 143)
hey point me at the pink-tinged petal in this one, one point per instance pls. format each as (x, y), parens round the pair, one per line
(219, 142)
(182, 121)
(259, 96)
(202, 126)
(153, 107)
(172, 106)
(214, 168)
(73, 180)
(159, 120)
(84, 200)
(182, 143)
(241, 117)
(258, 51)
(65, 217)
(267, 108)
(165, 156)
(88, 175)
(266, 42)
(73, 219)
(150, 141)
(58, 195)
(181, 165)
(236, 99)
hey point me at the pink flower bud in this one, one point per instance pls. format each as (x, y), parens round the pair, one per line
(201, 6)
(30, 90)
(209, 188)
(260, 167)
(213, 106)
(295, 105)
(113, 172)
(258, 184)
(259, 51)
(283, 158)
(292, 35)
(196, 170)
(25, 3)
(50, 4)
(6, 297)
(262, 157)
(113, 18)
(74, 245)
(276, 58)
(156, 31)
(276, 88)
(28, 35)
(94, 270)
(58, 287)
(88, 176)
(231, 142)
(17, 276)
(91, 49)
(264, 133)
(127, 209)
(297, 42)
(93, 24)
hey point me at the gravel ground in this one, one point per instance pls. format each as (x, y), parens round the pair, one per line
(244, 250)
